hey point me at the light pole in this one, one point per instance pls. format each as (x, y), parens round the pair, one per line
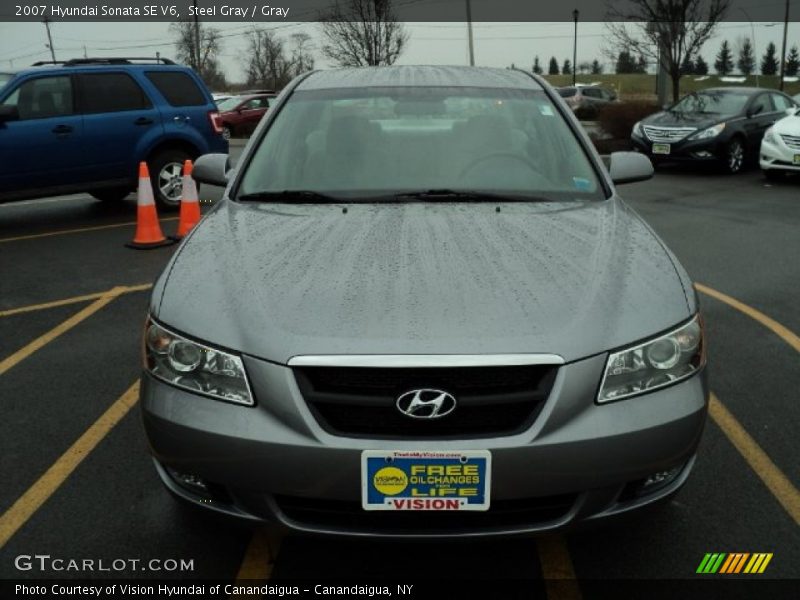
(783, 48)
(196, 37)
(575, 14)
(49, 39)
(469, 35)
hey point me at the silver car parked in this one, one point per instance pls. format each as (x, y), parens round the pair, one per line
(421, 309)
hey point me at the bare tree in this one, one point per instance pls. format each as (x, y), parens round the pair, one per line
(301, 58)
(267, 64)
(362, 33)
(669, 30)
(206, 61)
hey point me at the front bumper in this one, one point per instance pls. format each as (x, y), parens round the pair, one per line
(578, 462)
(778, 156)
(682, 150)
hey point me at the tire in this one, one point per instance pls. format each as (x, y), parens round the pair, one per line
(227, 132)
(734, 156)
(166, 175)
(773, 174)
(111, 194)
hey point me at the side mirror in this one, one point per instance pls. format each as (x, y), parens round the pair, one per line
(792, 111)
(8, 112)
(212, 169)
(628, 167)
(753, 111)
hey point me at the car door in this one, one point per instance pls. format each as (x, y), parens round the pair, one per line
(42, 147)
(760, 116)
(253, 110)
(118, 119)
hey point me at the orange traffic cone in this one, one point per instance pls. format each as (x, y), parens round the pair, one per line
(148, 231)
(190, 205)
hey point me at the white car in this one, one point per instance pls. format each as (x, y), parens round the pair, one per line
(780, 147)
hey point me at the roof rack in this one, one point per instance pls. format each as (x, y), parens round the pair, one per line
(106, 61)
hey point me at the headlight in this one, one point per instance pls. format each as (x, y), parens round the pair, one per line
(769, 136)
(654, 364)
(710, 132)
(637, 129)
(195, 367)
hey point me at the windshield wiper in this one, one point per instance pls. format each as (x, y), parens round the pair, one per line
(446, 195)
(298, 196)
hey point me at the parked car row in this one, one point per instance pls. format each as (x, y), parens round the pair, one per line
(84, 125)
(580, 97)
(725, 125)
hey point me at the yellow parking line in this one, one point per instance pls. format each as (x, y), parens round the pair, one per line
(786, 334)
(22, 510)
(259, 557)
(557, 571)
(48, 337)
(73, 300)
(777, 483)
(78, 230)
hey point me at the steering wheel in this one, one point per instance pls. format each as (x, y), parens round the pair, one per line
(494, 155)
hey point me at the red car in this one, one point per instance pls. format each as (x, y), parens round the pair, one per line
(241, 114)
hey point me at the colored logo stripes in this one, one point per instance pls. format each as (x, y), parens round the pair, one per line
(734, 562)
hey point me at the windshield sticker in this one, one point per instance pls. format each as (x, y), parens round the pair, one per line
(546, 110)
(581, 184)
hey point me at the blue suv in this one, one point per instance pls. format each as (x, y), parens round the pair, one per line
(85, 124)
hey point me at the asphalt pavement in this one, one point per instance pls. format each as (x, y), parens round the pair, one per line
(738, 236)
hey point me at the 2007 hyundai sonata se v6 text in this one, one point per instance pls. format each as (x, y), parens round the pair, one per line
(421, 309)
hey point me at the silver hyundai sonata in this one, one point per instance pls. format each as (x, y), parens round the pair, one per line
(422, 310)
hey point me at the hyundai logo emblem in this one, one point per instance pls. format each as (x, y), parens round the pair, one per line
(426, 404)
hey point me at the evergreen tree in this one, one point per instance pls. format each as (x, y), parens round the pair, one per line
(641, 64)
(700, 66)
(687, 67)
(792, 62)
(553, 70)
(597, 68)
(625, 63)
(567, 68)
(747, 61)
(537, 68)
(769, 62)
(724, 62)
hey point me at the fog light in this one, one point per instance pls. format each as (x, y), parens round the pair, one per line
(660, 479)
(189, 481)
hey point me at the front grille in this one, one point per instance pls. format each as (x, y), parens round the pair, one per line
(349, 516)
(792, 141)
(361, 401)
(667, 134)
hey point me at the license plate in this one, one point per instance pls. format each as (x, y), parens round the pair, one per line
(661, 148)
(797, 159)
(423, 480)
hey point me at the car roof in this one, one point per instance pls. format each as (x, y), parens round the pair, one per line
(418, 76)
(738, 89)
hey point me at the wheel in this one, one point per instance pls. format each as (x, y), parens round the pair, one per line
(227, 132)
(734, 156)
(773, 174)
(111, 194)
(166, 175)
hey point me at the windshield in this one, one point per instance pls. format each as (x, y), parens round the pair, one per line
(378, 142)
(4, 78)
(229, 103)
(724, 103)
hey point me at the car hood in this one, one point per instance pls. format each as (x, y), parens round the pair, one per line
(277, 281)
(676, 119)
(788, 125)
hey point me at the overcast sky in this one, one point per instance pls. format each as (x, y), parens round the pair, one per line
(496, 44)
